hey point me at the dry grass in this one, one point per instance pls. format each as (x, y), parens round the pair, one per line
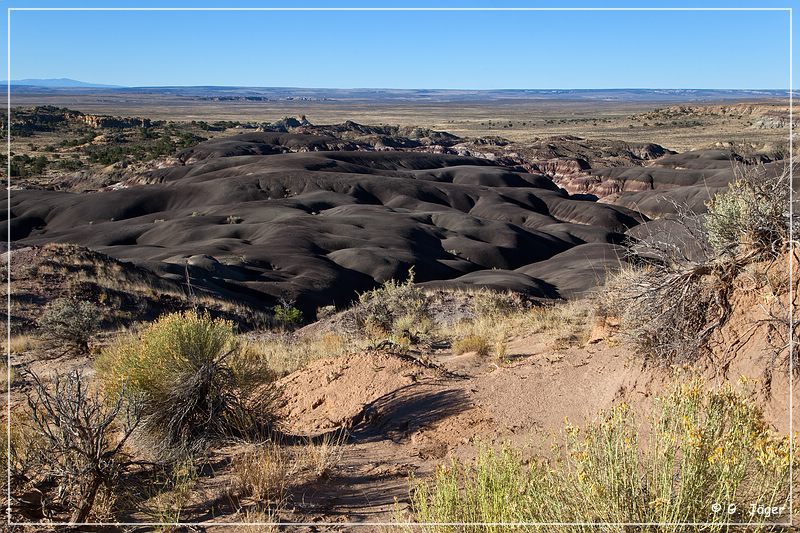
(479, 344)
(79, 265)
(168, 504)
(485, 334)
(21, 343)
(5, 382)
(286, 353)
(566, 323)
(263, 472)
(266, 471)
(105, 504)
(254, 520)
(320, 458)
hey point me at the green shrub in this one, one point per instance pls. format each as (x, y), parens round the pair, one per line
(72, 322)
(392, 306)
(752, 216)
(287, 315)
(701, 447)
(192, 376)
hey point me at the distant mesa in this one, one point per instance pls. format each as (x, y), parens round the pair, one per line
(265, 94)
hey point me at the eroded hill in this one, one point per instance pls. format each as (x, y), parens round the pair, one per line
(315, 218)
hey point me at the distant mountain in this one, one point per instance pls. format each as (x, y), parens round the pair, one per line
(57, 82)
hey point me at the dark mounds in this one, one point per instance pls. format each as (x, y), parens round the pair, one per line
(689, 180)
(319, 226)
(597, 152)
(565, 275)
(367, 136)
(262, 143)
(298, 135)
(644, 177)
(559, 155)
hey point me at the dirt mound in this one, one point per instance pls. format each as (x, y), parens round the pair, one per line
(334, 393)
(754, 340)
(124, 292)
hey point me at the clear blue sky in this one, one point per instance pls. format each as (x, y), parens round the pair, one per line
(463, 50)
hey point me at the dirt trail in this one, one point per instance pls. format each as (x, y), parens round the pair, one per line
(406, 418)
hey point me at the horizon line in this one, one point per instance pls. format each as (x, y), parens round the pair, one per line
(105, 85)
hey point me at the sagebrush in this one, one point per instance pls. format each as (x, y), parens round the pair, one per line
(71, 323)
(752, 216)
(192, 375)
(394, 308)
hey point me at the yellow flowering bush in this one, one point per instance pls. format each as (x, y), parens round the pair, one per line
(706, 456)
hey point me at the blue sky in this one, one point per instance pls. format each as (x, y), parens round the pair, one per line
(456, 50)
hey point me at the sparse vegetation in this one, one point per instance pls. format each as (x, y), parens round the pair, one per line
(22, 343)
(665, 312)
(284, 354)
(701, 447)
(497, 317)
(173, 490)
(473, 343)
(263, 472)
(569, 322)
(257, 520)
(671, 302)
(488, 302)
(192, 395)
(287, 315)
(320, 458)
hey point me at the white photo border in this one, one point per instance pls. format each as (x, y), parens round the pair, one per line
(790, 317)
